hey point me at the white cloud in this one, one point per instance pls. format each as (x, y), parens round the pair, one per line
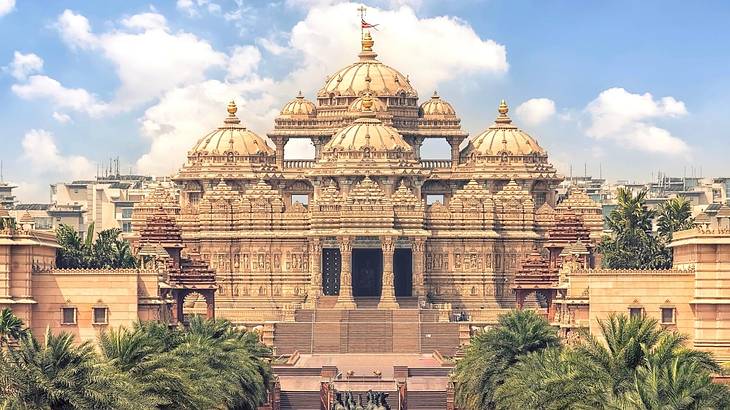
(77, 99)
(243, 61)
(24, 65)
(626, 118)
(439, 48)
(154, 61)
(75, 30)
(146, 21)
(185, 114)
(43, 157)
(535, 111)
(6, 6)
(61, 117)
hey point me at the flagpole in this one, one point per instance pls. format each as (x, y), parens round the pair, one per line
(362, 10)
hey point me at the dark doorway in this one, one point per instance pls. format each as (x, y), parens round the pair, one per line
(367, 272)
(403, 272)
(331, 265)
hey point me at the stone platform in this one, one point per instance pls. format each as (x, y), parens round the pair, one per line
(413, 381)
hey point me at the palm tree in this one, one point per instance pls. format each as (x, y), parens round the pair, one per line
(634, 350)
(160, 376)
(491, 353)
(676, 384)
(674, 215)
(631, 244)
(59, 374)
(544, 379)
(11, 327)
(235, 356)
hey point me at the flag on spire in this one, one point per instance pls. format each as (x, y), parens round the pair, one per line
(365, 24)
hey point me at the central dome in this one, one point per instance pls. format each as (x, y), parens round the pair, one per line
(367, 75)
(367, 138)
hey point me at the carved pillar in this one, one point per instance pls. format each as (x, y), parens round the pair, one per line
(279, 142)
(345, 299)
(454, 143)
(315, 272)
(209, 304)
(418, 253)
(387, 293)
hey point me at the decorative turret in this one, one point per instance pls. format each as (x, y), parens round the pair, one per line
(229, 149)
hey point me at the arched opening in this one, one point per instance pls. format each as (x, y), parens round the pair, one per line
(299, 148)
(189, 302)
(435, 148)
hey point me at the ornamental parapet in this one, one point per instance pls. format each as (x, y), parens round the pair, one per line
(95, 271)
(689, 270)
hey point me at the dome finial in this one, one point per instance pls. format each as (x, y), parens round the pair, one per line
(503, 118)
(300, 95)
(367, 52)
(232, 109)
(503, 108)
(367, 103)
(435, 94)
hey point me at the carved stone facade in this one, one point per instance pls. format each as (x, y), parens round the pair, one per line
(367, 217)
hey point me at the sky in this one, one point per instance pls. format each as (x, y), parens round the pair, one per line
(624, 89)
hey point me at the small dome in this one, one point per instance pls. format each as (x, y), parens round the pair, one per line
(436, 107)
(299, 107)
(505, 137)
(367, 75)
(368, 133)
(377, 106)
(231, 139)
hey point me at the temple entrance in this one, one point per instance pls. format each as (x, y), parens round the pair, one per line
(403, 272)
(367, 272)
(331, 265)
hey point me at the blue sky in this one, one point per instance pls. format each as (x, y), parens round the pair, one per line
(636, 87)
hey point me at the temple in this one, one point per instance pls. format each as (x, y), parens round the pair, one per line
(368, 220)
(368, 266)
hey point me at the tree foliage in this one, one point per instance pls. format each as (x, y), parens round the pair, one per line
(632, 244)
(492, 352)
(634, 364)
(108, 251)
(211, 364)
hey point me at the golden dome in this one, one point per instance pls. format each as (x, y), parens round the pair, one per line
(231, 139)
(436, 107)
(299, 106)
(505, 137)
(368, 134)
(367, 75)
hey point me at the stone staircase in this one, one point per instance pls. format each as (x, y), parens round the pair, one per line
(300, 400)
(426, 400)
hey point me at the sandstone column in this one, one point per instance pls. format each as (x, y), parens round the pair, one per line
(345, 299)
(279, 142)
(315, 272)
(387, 293)
(418, 253)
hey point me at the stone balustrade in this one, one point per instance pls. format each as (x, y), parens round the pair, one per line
(435, 163)
(299, 163)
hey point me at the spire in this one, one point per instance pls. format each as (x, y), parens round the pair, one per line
(503, 118)
(232, 109)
